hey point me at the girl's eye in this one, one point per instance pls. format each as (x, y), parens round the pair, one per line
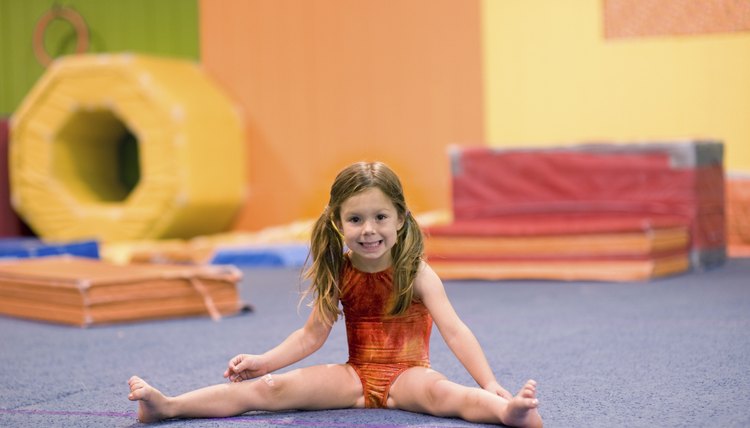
(382, 217)
(354, 219)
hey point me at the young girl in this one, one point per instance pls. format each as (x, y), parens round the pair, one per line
(390, 298)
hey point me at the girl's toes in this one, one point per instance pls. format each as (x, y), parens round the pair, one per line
(135, 394)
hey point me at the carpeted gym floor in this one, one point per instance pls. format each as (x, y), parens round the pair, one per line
(672, 352)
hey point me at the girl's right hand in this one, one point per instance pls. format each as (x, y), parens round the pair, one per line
(244, 367)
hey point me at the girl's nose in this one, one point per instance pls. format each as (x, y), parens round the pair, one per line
(368, 227)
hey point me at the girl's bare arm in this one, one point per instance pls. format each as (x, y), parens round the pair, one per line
(298, 345)
(456, 334)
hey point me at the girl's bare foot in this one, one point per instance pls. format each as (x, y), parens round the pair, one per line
(521, 410)
(152, 404)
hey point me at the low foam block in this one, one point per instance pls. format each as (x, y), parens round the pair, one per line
(201, 252)
(86, 292)
(572, 247)
(277, 246)
(614, 270)
(590, 245)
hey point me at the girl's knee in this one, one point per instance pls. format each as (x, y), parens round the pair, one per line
(438, 391)
(269, 389)
(268, 379)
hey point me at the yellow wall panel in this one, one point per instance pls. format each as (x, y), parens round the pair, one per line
(550, 76)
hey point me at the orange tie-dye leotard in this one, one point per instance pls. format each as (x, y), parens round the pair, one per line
(381, 347)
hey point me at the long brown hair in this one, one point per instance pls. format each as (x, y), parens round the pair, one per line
(327, 246)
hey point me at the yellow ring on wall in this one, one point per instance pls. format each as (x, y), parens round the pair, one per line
(161, 123)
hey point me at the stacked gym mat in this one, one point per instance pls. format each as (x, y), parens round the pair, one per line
(616, 212)
(85, 292)
(738, 215)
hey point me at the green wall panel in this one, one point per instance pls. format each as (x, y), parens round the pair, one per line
(159, 27)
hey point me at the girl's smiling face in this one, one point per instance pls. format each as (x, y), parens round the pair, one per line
(370, 223)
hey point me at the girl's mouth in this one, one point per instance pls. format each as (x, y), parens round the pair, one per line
(372, 244)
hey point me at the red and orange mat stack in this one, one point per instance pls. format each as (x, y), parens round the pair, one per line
(611, 212)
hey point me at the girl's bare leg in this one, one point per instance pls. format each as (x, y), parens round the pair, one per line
(427, 391)
(318, 387)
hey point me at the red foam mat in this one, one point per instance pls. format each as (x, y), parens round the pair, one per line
(609, 182)
(10, 224)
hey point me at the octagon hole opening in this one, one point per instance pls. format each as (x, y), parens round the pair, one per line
(96, 157)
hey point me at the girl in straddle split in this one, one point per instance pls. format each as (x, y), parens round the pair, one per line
(367, 258)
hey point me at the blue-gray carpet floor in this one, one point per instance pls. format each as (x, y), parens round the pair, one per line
(672, 352)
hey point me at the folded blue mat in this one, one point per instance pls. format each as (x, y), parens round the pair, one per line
(271, 255)
(24, 248)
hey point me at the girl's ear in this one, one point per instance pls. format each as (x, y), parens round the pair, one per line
(402, 220)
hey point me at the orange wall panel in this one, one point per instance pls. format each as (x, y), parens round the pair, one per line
(326, 83)
(643, 18)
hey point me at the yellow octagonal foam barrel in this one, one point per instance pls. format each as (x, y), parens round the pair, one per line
(126, 147)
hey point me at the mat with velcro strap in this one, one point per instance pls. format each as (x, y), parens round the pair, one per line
(85, 292)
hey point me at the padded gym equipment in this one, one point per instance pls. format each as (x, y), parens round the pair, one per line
(738, 215)
(27, 247)
(608, 212)
(119, 147)
(84, 292)
(682, 179)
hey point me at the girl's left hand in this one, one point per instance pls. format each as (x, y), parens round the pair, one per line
(495, 388)
(244, 367)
